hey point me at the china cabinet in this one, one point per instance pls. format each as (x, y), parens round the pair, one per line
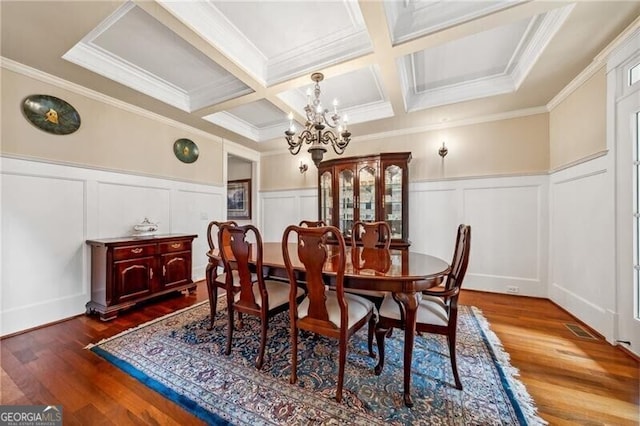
(128, 270)
(368, 188)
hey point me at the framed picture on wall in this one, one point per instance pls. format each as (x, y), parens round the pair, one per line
(239, 199)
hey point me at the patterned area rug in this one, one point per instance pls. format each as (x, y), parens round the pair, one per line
(177, 356)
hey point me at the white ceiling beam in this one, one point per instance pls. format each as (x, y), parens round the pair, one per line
(376, 22)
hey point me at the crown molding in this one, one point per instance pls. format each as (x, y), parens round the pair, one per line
(598, 62)
(233, 123)
(344, 45)
(208, 22)
(544, 33)
(27, 71)
(93, 58)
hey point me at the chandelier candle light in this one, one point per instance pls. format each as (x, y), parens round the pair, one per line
(315, 132)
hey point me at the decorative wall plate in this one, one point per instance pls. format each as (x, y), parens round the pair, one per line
(51, 114)
(186, 150)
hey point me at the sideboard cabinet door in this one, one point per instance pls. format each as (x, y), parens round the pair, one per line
(133, 278)
(176, 269)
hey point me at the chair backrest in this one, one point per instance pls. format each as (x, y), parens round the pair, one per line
(242, 251)
(371, 234)
(210, 229)
(313, 253)
(460, 259)
(312, 223)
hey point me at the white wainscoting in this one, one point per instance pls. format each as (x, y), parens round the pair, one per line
(582, 243)
(50, 210)
(508, 216)
(509, 229)
(283, 208)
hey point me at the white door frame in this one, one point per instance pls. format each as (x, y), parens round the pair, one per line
(623, 105)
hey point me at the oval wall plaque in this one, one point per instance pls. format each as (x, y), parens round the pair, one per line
(51, 114)
(185, 150)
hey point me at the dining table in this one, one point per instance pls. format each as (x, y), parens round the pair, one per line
(402, 272)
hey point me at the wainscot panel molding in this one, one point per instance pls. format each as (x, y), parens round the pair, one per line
(49, 210)
(582, 243)
(283, 208)
(508, 218)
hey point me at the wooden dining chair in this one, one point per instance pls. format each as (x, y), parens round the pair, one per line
(371, 234)
(437, 311)
(312, 223)
(214, 279)
(263, 298)
(331, 313)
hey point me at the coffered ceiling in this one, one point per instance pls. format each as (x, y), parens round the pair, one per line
(237, 68)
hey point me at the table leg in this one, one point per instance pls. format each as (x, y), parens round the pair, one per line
(410, 302)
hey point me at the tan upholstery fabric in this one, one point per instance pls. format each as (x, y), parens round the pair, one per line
(359, 307)
(278, 293)
(431, 310)
(236, 278)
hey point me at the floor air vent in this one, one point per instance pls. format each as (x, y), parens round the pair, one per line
(580, 331)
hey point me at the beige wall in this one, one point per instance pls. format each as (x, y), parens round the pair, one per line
(108, 137)
(238, 169)
(577, 125)
(517, 145)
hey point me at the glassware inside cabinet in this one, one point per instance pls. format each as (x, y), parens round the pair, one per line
(326, 200)
(393, 199)
(367, 194)
(346, 200)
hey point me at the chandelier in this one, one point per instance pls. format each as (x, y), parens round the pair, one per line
(315, 132)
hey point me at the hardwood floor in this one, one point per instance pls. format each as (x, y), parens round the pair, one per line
(573, 380)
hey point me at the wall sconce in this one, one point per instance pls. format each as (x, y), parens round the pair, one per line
(443, 151)
(303, 167)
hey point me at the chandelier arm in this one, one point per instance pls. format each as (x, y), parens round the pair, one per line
(295, 149)
(306, 136)
(337, 143)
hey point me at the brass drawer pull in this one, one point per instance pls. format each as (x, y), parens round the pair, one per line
(136, 250)
(176, 245)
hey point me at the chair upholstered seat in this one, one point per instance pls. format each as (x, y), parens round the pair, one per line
(214, 274)
(431, 310)
(278, 293)
(331, 313)
(359, 307)
(222, 278)
(252, 291)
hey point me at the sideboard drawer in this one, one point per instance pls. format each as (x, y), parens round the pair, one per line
(129, 252)
(174, 246)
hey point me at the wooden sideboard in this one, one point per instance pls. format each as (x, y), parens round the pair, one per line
(125, 271)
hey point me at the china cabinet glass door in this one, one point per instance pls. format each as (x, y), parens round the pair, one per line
(367, 194)
(393, 199)
(326, 198)
(346, 200)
